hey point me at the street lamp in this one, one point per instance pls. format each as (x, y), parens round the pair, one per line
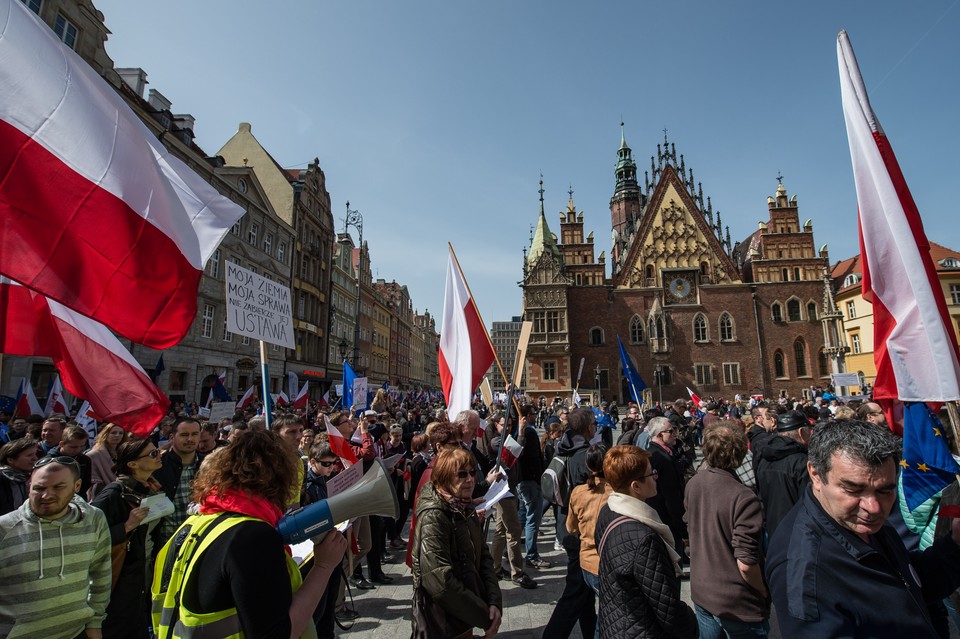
(596, 378)
(355, 220)
(342, 347)
(658, 374)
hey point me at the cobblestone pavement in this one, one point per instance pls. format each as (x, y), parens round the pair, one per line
(385, 612)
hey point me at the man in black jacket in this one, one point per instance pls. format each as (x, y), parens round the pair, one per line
(577, 601)
(531, 466)
(179, 466)
(669, 466)
(836, 568)
(782, 468)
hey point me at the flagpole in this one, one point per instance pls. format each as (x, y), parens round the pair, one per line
(265, 383)
(486, 334)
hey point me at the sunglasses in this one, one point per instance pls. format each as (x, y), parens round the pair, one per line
(63, 459)
(327, 464)
(152, 454)
(463, 474)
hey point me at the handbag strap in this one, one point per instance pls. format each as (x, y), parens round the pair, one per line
(606, 533)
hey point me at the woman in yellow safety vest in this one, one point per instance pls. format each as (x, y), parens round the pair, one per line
(225, 573)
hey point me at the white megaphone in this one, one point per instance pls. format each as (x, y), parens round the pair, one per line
(374, 494)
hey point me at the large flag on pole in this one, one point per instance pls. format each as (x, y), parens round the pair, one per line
(92, 362)
(915, 349)
(302, 397)
(97, 214)
(56, 402)
(465, 349)
(26, 403)
(634, 381)
(348, 378)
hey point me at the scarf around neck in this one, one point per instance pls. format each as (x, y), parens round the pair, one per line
(236, 501)
(641, 511)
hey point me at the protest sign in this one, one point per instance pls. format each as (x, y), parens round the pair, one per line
(221, 410)
(258, 308)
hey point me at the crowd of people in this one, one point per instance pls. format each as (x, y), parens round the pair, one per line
(784, 505)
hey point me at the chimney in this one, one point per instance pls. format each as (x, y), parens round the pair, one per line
(135, 78)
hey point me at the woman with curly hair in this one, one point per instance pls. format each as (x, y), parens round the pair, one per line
(225, 569)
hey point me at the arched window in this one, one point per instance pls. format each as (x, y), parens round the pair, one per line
(823, 363)
(726, 328)
(699, 328)
(851, 279)
(800, 354)
(777, 312)
(596, 336)
(636, 330)
(779, 366)
(650, 281)
(793, 311)
(812, 311)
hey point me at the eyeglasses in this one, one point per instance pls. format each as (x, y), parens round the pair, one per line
(667, 431)
(463, 474)
(152, 454)
(653, 473)
(327, 464)
(62, 459)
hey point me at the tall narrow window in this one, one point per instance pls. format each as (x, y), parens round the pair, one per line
(779, 366)
(699, 328)
(812, 311)
(800, 354)
(726, 328)
(777, 312)
(66, 31)
(823, 363)
(596, 336)
(206, 329)
(636, 330)
(731, 373)
(793, 310)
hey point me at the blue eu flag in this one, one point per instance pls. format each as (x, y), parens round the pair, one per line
(634, 381)
(927, 465)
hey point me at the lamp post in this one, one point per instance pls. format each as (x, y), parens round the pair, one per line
(355, 220)
(342, 348)
(596, 378)
(658, 373)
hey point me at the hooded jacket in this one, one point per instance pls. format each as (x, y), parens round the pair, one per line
(56, 574)
(574, 447)
(13, 489)
(782, 477)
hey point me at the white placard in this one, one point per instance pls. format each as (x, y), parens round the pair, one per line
(203, 412)
(221, 410)
(846, 379)
(339, 388)
(344, 480)
(258, 307)
(360, 391)
(159, 505)
(391, 461)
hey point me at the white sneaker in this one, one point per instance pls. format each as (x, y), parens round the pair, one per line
(557, 545)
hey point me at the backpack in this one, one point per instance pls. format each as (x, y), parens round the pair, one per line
(554, 483)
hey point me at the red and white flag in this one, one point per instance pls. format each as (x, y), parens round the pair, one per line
(27, 403)
(693, 397)
(510, 453)
(247, 398)
(97, 213)
(915, 349)
(325, 400)
(87, 419)
(92, 362)
(56, 402)
(338, 444)
(465, 349)
(302, 397)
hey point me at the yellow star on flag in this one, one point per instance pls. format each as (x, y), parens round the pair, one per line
(936, 432)
(923, 467)
(904, 464)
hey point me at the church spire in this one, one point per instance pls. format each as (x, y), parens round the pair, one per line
(626, 170)
(543, 240)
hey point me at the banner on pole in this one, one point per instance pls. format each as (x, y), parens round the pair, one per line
(360, 391)
(258, 308)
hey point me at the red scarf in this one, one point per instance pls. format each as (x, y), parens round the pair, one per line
(236, 501)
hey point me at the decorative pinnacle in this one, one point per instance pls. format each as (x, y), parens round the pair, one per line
(779, 177)
(571, 192)
(541, 194)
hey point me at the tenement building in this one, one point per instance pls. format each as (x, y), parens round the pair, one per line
(691, 308)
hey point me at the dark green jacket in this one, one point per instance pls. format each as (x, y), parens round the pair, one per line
(452, 562)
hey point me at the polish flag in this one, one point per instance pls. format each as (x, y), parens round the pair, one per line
(97, 213)
(510, 452)
(27, 403)
(302, 397)
(325, 400)
(465, 349)
(246, 399)
(87, 419)
(56, 402)
(282, 399)
(915, 349)
(339, 445)
(92, 362)
(693, 397)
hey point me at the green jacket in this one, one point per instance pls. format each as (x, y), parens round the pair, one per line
(452, 562)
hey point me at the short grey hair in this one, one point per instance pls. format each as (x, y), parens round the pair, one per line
(860, 441)
(657, 425)
(464, 417)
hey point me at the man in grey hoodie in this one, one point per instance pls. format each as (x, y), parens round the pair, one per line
(55, 553)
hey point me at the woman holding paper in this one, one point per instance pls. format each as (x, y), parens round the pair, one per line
(128, 614)
(455, 589)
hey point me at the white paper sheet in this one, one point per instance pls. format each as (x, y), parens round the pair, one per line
(159, 505)
(498, 490)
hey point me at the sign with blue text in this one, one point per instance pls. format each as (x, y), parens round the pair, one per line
(258, 308)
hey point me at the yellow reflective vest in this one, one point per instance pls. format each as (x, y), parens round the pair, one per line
(171, 618)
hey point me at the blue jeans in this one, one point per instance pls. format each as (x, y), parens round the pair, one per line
(593, 581)
(713, 627)
(531, 498)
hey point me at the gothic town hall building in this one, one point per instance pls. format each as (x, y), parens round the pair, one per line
(691, 308)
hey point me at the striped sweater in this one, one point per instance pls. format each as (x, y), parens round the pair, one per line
(54, 575)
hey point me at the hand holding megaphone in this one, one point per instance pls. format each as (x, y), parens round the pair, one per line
(374, 494)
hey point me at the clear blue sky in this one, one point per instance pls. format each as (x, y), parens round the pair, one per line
(436, 118)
